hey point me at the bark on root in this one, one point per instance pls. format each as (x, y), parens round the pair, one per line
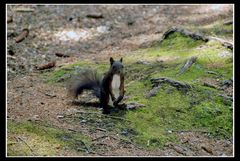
(197, 36)
(177, 84)
(187, 65)
(157, 83)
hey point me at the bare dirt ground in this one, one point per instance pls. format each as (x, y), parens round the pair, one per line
(121, 30)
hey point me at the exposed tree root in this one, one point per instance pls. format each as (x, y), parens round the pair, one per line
(187, 64)
(196, 36)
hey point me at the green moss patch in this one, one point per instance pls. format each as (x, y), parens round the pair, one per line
(30, 139)
(171, 111)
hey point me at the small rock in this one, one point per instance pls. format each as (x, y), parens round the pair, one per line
(130, 23)
(228, 22)
(9, 19)
(10, 52)
(64, 77)
(169, 131)
(103, 29)
(83, 121)
(218, 111)
(60, 116)
(34, 118)
(124, 132)
(225, 54)
(227, 82)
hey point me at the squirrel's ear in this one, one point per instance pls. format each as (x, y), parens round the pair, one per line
(121, 59)
(111, 60)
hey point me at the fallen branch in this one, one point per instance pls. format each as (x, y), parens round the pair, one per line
(187, 65)
(61, 55)
(94, 15)
(22, 36)
(224, 43)
(179, 85)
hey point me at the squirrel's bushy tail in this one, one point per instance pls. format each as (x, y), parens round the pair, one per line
(88, 79)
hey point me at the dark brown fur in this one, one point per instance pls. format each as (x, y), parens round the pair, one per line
(89, 80)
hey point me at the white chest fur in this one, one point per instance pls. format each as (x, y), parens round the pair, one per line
(115, 86)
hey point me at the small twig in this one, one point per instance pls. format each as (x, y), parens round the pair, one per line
(12, 57)
(61, 55)
(86, 147)
(179, 131)
(19, 138)
(100, 129)
(209, 85)
(209, 59)
(101, 137)
(23, 9)
(50, 95)
(113, 137)
(114, 117)
(72, 130)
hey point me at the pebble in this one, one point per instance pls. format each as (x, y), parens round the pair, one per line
(83, 121)
(103, 29)
(60, 116)
(169, 131)
(225, 54)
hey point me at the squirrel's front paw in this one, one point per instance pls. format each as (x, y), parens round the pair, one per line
(115, 103)
(113, 99)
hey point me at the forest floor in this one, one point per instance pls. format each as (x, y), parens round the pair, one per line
(43, 121)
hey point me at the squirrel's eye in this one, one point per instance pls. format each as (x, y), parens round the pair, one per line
(114, 67)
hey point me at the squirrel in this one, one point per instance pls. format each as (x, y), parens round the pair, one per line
(111, 85)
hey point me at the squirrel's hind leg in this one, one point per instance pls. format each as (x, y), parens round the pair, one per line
(104, 103)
